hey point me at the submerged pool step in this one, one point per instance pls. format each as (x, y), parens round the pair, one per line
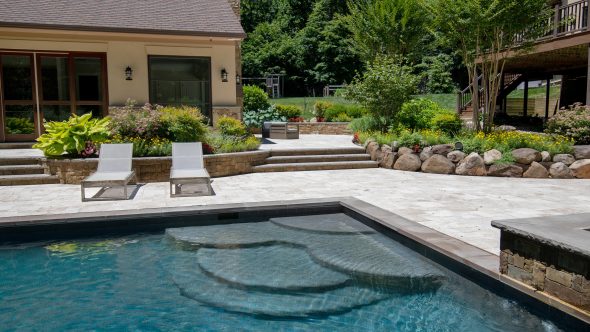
(196, 285)
(334, 165)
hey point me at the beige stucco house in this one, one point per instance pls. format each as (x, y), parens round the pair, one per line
(59, 57)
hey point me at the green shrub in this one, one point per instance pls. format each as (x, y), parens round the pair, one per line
(77, 136)
(19, 126)
(183, 124)
(231, 127)
(289, 111)
(447, 122)
(365, 124)
(150, 147)
(320, 107)
(336, 110)
(573, 122)
(417, 114)
(255, 119)
(255, 99)
(342, 117)
(132, 122)
(227, 144)
(383, 88)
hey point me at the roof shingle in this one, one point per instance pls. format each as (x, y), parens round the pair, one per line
(184, 17)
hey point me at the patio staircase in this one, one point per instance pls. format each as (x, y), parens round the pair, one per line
(18, 171)
(316, 159)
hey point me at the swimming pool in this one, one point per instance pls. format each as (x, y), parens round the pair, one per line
(319, 272)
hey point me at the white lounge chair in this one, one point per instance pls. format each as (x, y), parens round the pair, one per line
(114, 170)
(188, 168)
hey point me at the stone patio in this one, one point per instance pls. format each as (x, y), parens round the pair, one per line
(459, 206)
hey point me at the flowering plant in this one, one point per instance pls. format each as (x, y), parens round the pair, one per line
(573, 122)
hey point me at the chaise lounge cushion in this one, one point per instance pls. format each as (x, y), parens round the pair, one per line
(188, 173)
(108, 176)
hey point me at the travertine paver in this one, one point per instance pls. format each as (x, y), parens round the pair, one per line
(308, 141)
(459, 206)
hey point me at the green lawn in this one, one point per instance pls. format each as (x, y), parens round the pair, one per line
(448, 101)
(536, 92)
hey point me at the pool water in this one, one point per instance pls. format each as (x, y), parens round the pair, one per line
(320, 273)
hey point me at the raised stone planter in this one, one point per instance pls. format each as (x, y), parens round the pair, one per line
(157, 169)
(324, 128)
(550, 254)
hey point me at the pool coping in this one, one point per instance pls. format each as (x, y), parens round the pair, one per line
(438, 246)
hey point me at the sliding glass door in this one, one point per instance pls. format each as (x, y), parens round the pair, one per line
(181, 81)
(39, 86)
(17, 98)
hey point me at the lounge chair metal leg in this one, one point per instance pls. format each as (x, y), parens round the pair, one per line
(82, 190)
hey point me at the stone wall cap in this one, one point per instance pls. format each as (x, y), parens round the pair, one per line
(567, 232)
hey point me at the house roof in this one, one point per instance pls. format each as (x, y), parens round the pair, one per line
(177, 17)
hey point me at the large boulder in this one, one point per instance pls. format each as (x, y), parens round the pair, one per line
(490, 157)
(526, 155)
(560, 170)
(442, 149)
(505, 170)
(545, 156)
(472, 165)
(567, 159)
(438, 164)
(384, 150)
(389, 159)
(426, 153)
(456, 156)
(536, 171)
(403, 150)
(407, 162)
(374, 150)
(582, 151)
(581, 169)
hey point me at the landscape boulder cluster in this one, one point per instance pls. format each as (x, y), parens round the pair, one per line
(444, 159)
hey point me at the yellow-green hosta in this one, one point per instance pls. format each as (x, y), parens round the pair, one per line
(71, 136)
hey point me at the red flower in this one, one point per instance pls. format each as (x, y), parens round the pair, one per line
(297, 119)
(208, 149)
(356, 138)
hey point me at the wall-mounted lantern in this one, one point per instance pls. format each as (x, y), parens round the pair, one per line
(238, 79)
(128, 74)
(223, 75)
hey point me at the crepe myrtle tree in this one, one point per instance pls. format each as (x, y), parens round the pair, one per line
(484, 34)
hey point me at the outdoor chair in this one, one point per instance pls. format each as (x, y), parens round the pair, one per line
(188, 168)
(114, 170)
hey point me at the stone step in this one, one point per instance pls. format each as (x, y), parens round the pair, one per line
(315, 166)
(28, 179)
(17, 145)
(317, 158)
(21, 169)
(317, 151)
(11, 161)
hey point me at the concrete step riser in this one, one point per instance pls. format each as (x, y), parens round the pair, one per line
(320, 158)
(21, 170)
(315, 152)
(315, 166)
(20, 161)
(8, 181)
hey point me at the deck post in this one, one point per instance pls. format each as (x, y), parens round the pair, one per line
(588, 79)
(556, 21)
(547, 92)
(525, 103)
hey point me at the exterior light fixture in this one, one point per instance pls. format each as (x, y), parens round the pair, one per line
(459, 146)
(128, 74)
(238, 79)
(223, 75)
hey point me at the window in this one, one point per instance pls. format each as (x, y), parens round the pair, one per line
(181, 81)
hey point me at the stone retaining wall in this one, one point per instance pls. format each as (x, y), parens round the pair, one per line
(444, 159)
(157, 169)
(324, 128)
(549, 269)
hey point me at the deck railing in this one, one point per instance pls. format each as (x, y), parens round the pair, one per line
(566, 20)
